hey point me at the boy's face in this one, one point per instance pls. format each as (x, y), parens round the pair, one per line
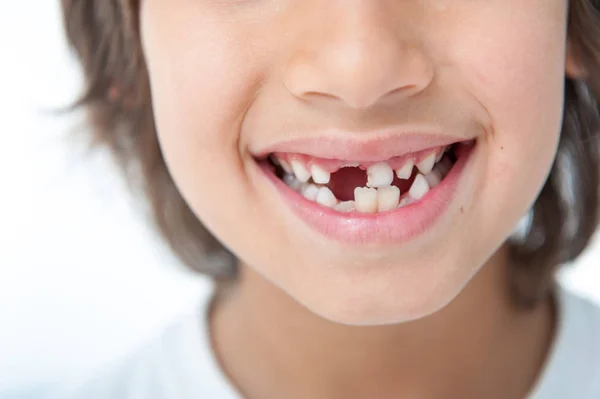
(328, 85)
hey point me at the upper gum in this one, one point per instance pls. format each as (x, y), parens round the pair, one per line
(333, 165)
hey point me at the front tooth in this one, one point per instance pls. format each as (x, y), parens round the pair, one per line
(346, 206)
(433, 178)
(379, 175)
(365, 199)
(406, 170)
(388, 198)
(325, 197)
(426, 165)
(300, 171)
(309, 191)
(319, 175)
(419, 188)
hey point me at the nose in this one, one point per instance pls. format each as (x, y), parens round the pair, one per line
(356, 56)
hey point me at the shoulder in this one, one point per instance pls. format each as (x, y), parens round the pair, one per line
(176, 364)
(585, 317)
(584, 339)
(573, 366)
(146, 373)
(581, 324)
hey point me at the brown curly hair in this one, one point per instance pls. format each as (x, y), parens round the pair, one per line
(105, 37)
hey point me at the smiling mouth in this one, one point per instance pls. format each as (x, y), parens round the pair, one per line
(346, 186)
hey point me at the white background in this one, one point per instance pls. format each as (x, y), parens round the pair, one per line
(82, 278)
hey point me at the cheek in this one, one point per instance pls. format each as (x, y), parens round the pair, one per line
(193, 91)
(522, 89)
(517, 76)
(526, 121)
(203, 79)
(201, 86)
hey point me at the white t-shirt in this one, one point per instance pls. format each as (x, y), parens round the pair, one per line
(180, 364)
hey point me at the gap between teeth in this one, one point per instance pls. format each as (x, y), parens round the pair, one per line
(371, 199)
(379, 195)
(367, 199)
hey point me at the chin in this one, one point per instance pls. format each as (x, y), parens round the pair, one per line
(383, 299)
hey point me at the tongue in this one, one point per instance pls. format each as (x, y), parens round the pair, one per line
(344, 181)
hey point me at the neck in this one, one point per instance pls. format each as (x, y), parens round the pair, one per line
(477, 346)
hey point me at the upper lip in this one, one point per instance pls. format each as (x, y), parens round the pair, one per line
(370, 146)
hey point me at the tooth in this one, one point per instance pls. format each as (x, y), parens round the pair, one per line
(405, 201)
(300, 171)
(285, 165)
(433, 178)
(426, 165)
(444, 167)
(379, 175)
(406, 170)
(309, 191)
(292, 182)
(439, 156)
(325, 197)
(319, 175)
(346, 206)
(387, 198)
(365, 199)
(419, 188)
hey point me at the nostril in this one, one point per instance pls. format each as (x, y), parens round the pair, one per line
(358, 81)
(317, 97)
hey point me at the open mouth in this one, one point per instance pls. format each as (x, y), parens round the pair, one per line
(346, 186)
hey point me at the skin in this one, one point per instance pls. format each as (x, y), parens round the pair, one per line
(325, 319)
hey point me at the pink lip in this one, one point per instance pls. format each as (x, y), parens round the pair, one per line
(362, 147)
(387, 228)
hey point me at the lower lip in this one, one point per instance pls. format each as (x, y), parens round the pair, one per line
(385, 228)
